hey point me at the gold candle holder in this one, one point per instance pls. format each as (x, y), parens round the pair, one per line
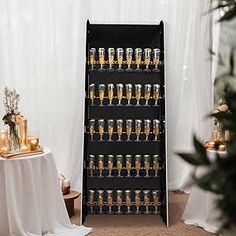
(4, 142)
(32, 143)
(23, 134)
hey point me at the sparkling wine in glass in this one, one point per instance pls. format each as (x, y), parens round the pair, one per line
(119, 54)
(110, 93)
(110, 129)
(119, 89)
(109, 200)
(155, 200)
(129, 56)
(156, 59)
(138, 90)
(92, 128)
(146, 160)
(92, 57)
(156, 163)
(138, 160)
(100, 200)
(111, 56)
(147, 93)
(101, 91)
(156, 93)
(119, 164)
(119, 125)
(110, 164)
(138, 127)
(92, 93)
(101, 129)
(101, 55)
(128, 88)
(156, 129)
(129, 123)
(128, 159)
(91, 164)
(137, 200)
(146, 194)
(100, 164)
(119, 194)
(147, 127)
(147, 58)
(128, 200)
(138, 58)
(91, 200)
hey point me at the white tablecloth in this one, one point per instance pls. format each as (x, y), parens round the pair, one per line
(201, 209)
(31, 202)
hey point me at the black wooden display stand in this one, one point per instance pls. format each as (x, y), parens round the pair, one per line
(124, 36)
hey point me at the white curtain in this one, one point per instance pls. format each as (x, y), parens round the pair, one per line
(42, 55)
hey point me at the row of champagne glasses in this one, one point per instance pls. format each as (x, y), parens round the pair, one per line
(121, 162)
(119, 129)
(119, 92)
(126, 198)
(146, 57)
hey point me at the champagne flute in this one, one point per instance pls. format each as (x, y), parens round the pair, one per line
(101, 54)
(92, 57)
(156, 58)
(101, 90)
(119, 125)
(110, 93)
(155, 200)
(156, 93)
(119, 200)
(129, 55)
(128, 159)
(138, 58)
(100, 200)
(92, 128)
(101, 128)
(128, 200)
(156, 129)
(147, 58)
(137, 200)
(109, 200)
(138, 160)
(91, 164)
(147, 92)
(119, 54)
(111, 55)
(128, 93)
(119, 88)
(91, 200)
(92, 93)
(138, 89)
(119, 164)
(110, 129)
(138, 126)
(156, 163)
(100, 164)
(146, 200)
(129, 128)
(147, 127)
(146, 159)
(110, 164)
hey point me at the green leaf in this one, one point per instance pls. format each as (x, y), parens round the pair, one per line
(201, 151)
(229, 15)
(192, 159)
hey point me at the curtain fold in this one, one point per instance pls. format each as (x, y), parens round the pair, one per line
(42, 55)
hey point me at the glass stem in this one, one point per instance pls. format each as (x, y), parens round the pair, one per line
(110, 66)
(137, 66)
(91, 137)
(146, 137)
(155, 102)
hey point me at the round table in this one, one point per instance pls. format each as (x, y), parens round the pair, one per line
(31, 201)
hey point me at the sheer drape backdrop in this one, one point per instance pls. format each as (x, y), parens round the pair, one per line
(42, 55)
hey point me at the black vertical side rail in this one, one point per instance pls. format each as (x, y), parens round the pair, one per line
(85, 174)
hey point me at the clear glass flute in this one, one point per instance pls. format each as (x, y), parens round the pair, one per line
(91, 164)
(146, 194)
(100, 201)
(110, 129)
(92, 57)
(138, 127)
(100, 164)
(111, 56)
(119, 54)
(156, 59)
(101, 128)
(110, 88)
(119, 125)
(119, 88)
(138, 90)
(128, 88)
(137, 200)
(156, 93)
(156, 129)
(110, 164)
(128, 159)
(128, 200)
(138, 58)
(129, 56)
(101, 91)
(147, 93)
(119, 200)
(156, 163)
(155, 201)
(119, 164)
(146, 160)
(129, 129)
(138, 160)
(147, 58)
(92, 93)
(147, 127)
(92, 128)
(101, 55)
(109, 200)
(91, 200)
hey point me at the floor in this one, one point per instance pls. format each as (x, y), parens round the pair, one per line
(132, 225)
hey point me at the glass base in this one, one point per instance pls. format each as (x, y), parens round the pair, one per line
(147, 70)
(120, 70)
(138, 70)
(110, 69)
(110, 105)
(101, 69)
(129, 70)
(156, 70)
